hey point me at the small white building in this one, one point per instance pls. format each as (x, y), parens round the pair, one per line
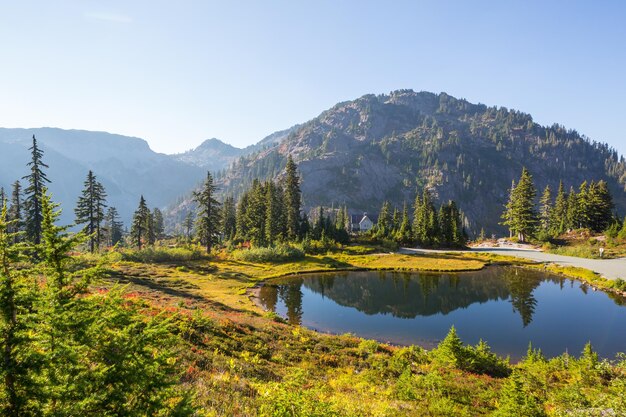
(362, 222)
(365, 225)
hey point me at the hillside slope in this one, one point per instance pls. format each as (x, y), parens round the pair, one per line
(387, 147)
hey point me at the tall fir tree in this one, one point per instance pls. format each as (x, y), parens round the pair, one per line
(229, 218)
(404, 233)
(150, 230)
(158, 224)
(14, 214)
(384, 225)
(208, 220)
(37, 180)
(585, 207)
(139, 227)
(113, 226)
(188, 225)
(573, 210)
(293, 200)
(272, 214)
(90, 210)
(601, 207)
(425, 221)
(320, 224)
(558, 221)
(520, 214)
(545, 209)
(14, 339)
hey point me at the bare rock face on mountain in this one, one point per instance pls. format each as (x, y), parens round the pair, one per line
(389, 147)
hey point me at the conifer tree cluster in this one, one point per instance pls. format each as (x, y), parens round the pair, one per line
(262, 215)
(430, 227)
(591, 207)
(333, 225)
(24, 207)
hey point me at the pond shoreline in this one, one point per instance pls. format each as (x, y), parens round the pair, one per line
(253, 292)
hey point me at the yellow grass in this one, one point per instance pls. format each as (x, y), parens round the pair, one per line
(226, 280)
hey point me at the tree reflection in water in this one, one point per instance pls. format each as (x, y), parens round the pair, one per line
(409, 294)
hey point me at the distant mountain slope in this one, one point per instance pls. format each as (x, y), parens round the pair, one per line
(386, 147)
(215, 155)
(125, 165)
(212, 154)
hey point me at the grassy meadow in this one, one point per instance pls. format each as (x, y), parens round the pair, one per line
(238, 360)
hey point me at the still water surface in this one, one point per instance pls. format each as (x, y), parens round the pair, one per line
(505, 306)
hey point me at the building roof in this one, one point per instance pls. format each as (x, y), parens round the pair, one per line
(357, 218)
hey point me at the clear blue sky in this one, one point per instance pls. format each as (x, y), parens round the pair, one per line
(178, 72)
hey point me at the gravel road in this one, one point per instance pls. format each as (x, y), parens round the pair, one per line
(608, 268)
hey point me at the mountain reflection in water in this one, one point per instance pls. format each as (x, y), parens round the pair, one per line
(507, 307)
(409, 294)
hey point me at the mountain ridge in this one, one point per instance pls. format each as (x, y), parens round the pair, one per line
(391, 146)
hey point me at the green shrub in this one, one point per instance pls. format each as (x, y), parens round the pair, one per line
(161, 254)
(319, 247)
(481, 360)
(368, 347)
(578, 251)
(477, 359)
(278, 253)
(290, 399)
(620, 284)
(516, 400)
(389, 245)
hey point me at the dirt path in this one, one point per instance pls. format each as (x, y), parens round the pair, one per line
(608, 268)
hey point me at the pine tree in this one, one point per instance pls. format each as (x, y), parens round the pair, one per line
(458, 230)
(585, 207)
(520, 215)
(384, 225)
(113, 226)
(395, 221)
(293, 200)
(404, 233)
(188, 225)
(229, 218)
(36, 183)
(558, 220)
(208, 221)
(150, 231)
(573, 210)
(507, 215)
(15, 387)
(90, 210)
(601, 207)
(139, 227)
(3, 197)
(341, 230)
(252, 219)
(15, 212)
(417, 219)
(320, 224)
(158, 224)
(425, 222)
(272, 214)
(545, 209)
